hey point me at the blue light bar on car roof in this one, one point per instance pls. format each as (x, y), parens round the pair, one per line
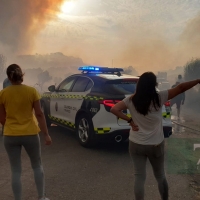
(89, 68)
(99, 69)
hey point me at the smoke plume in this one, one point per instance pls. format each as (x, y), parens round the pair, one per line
(190, 38)
(156, 52)
(21, 20)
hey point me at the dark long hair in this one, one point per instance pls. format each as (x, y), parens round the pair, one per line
(146, 94)
(14, 73)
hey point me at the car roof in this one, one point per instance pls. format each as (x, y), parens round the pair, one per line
(107, 76)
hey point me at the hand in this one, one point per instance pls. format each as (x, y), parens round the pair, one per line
(134, 126)
(48, 140)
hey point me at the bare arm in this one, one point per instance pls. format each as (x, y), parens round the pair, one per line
(40, 117)
(42, 121)
(2, 114)
(181, 88)
(117, 110)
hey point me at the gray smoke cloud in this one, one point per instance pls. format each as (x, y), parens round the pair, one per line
(190, 38)
(158, 53)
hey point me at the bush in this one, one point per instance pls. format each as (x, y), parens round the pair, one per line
(192, 100)
(191, 72)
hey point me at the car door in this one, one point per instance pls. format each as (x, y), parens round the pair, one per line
(76, 96)
(59, 97)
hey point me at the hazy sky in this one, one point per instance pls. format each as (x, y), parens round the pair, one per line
(147, 34)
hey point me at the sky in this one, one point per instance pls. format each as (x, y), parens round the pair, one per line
(146, 34)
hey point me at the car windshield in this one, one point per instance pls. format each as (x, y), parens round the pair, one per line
(121, 86)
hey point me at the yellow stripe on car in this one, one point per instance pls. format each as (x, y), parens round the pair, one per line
(62, 121)
(128, 115)
(72, 125)
(102, 130)
(72, 96)
(166, 114)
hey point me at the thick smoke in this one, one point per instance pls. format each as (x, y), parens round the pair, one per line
(144, 48)
(190, 38)
(148, 54)
(156, 52)
(21, 20)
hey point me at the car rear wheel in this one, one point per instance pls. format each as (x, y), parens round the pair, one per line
(48, 122)
(85, 131)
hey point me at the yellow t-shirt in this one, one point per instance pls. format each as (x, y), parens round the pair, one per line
(18, 102)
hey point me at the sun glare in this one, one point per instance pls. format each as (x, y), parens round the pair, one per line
(67, 7)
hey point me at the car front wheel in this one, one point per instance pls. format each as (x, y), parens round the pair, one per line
(85, 131)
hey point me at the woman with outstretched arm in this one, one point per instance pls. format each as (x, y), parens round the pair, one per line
(146, 139)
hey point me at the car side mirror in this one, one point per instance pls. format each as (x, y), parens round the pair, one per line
(52, 88)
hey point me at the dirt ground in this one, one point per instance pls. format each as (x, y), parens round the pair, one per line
(104, 172)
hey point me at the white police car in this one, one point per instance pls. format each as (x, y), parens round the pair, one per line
(82, 102)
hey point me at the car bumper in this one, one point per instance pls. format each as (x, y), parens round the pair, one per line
(117, 136)
(123, 134)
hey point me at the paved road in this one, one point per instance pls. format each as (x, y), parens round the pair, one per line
(75, 173)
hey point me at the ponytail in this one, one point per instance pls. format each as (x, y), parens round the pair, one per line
(14, 73)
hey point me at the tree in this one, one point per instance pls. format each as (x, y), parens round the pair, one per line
(192, 70)
(43, 78)
(57, 80)
(131, 71)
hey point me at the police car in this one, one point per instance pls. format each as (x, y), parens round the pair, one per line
(82, 103)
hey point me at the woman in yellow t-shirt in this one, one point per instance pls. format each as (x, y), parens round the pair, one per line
(17, 103)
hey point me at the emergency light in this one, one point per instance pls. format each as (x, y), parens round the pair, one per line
(89, 68)
(100, 69)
